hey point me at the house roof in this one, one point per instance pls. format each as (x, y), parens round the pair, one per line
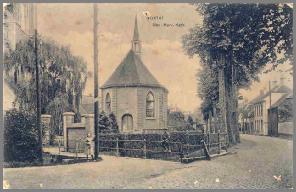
(131, 72)
(282, 99)
(277, 89)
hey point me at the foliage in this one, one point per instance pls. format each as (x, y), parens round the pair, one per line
(247, 35)
(190, 120)
(177, 122)
(239, 39)
(56, 108)
(113, 123)
(285, 111)
(62, 75)
(108, 124)
(20, 136)
(247, 112)
(208, 90)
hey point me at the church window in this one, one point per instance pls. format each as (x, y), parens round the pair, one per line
(108, 103)
(150, 105)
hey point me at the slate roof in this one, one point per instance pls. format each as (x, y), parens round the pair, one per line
(131, 72)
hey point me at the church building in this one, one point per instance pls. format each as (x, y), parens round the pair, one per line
(133, 94)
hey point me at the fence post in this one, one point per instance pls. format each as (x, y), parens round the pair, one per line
(187, 143)
(219, 142)
(226, 142)
(59, 143)
(209, 141)
(76, 146)
(145, 149)
(181, 152)
(117, 147)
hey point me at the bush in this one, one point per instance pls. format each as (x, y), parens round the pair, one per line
(20, 137)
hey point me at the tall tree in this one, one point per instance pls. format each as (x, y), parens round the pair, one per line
(207, 89)
(62, 77)
(239, 40)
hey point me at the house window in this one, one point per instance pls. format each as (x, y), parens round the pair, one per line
(150, 105)
(108, 103)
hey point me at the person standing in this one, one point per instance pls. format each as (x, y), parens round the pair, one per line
(89, 146)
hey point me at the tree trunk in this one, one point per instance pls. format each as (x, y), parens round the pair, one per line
(228, 94)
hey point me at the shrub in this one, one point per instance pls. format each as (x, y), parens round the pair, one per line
(20, 137)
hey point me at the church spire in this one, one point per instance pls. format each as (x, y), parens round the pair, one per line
(136, 43)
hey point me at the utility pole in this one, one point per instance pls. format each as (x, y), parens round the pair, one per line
(38, 99)
(96, 83)
(269, 94)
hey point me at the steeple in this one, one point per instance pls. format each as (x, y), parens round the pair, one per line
(136, 43)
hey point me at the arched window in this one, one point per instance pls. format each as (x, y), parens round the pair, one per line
(150, 105)
(108, 103)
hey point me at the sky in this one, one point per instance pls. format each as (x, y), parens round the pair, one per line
(72, 25)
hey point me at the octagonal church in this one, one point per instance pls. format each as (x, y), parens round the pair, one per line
(133, 94)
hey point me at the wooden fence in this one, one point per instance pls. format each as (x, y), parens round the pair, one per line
(179, 145)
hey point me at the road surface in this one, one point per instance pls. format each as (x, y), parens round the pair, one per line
(257, 162)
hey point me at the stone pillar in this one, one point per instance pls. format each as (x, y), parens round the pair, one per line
(68, 118)
(45, 120)
(89, 124)
(83, 117)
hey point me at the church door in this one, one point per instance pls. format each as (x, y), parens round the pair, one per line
(127, 122)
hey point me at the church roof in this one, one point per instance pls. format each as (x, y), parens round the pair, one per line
(131, 72)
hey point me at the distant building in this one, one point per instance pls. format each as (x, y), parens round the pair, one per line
(132, 93)
(261, 105)
(19, 23)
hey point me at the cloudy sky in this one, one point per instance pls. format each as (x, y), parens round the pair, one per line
(71, 25)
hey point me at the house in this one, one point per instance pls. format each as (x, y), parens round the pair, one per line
(133, 94)
(281, 116)
(263, 103)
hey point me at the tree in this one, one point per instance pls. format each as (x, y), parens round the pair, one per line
(113, 123)
(62, 78)
(285, 111)
(108, 123)
(104, 123)
(208, 91)
(246, 113)
(239, 40)
(20, 137)
(190, 120)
